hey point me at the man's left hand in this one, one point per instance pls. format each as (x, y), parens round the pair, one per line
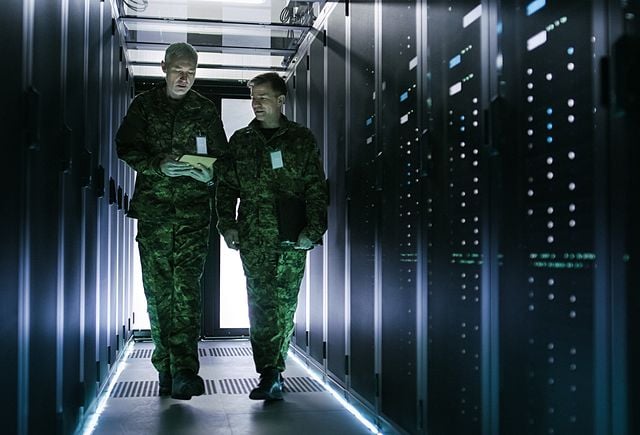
(201, 173)
(304, 242)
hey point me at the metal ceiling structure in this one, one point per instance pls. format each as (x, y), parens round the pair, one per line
(235, 39)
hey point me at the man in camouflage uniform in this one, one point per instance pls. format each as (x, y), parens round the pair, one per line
(271, 158)
(172, 202)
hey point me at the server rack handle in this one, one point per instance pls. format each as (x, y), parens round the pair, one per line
(32, 117)
(500, 133)
(626, 70)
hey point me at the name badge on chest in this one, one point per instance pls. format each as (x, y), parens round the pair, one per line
(276, 160)
(201, 144)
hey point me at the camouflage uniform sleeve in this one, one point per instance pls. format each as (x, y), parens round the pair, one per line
(220, 143)
(227, 191)
(132, 142)
(316, 196)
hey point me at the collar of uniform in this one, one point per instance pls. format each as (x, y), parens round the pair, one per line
(284, 125)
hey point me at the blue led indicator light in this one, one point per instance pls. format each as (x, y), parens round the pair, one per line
(461, 117)
(535, 6)
(549, 126)
(404, 96)
(570, 51)
(455, 61)
(369, 121)
(549, 111)
(549, 139)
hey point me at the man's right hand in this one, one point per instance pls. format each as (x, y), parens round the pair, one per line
(231, 239)
(173, 168)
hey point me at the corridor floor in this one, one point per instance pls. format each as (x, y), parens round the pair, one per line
(134, 406)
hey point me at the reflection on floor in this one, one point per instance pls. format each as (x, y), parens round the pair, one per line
(134, 406)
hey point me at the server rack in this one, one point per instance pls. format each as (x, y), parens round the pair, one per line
(529, 323)
(553, 290)
(513, 270)
(72, 248)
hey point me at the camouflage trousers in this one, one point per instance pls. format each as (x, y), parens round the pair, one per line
(172, 258)
(273, 284)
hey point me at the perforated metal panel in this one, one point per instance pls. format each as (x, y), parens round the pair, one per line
(142, 353)
(136, 389)
(226, 351)
(203, 352)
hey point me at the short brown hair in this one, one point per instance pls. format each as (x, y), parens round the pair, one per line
(275, 81)
(180, 50)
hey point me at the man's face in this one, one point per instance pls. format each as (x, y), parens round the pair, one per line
(179, 74)
(266, 104)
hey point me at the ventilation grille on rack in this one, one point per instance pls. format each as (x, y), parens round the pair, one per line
(127, 389)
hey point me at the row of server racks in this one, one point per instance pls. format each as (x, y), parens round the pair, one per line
(67, 246)
(479, 273)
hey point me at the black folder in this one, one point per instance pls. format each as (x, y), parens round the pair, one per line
(292, 218)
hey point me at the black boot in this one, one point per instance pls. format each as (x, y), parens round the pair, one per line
(164, 379)
(269, 387)
(186, 384)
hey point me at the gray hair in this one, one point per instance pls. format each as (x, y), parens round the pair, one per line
(180, 50)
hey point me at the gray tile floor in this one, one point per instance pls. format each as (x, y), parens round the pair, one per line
(227, 368)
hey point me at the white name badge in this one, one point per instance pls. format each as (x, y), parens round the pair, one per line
(201, 144)
(276, 159)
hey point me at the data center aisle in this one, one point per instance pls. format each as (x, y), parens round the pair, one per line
(134, 406)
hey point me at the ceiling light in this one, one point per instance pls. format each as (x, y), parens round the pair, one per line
(250, 2)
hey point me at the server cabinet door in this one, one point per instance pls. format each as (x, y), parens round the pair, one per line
(300, 337)
(43, 196)
(335, 162)
(12, 233)
(399, 164)
(315, 258)
(549, 278)
(117, 172)
(91, 202)
(105, 216)
(625, 245)
(363, 202)
(455, 218)
(71, 213)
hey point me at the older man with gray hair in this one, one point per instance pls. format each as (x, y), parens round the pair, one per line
(172, 202)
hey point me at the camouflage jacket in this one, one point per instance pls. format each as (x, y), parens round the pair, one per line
(249, 175)
(155, 128)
